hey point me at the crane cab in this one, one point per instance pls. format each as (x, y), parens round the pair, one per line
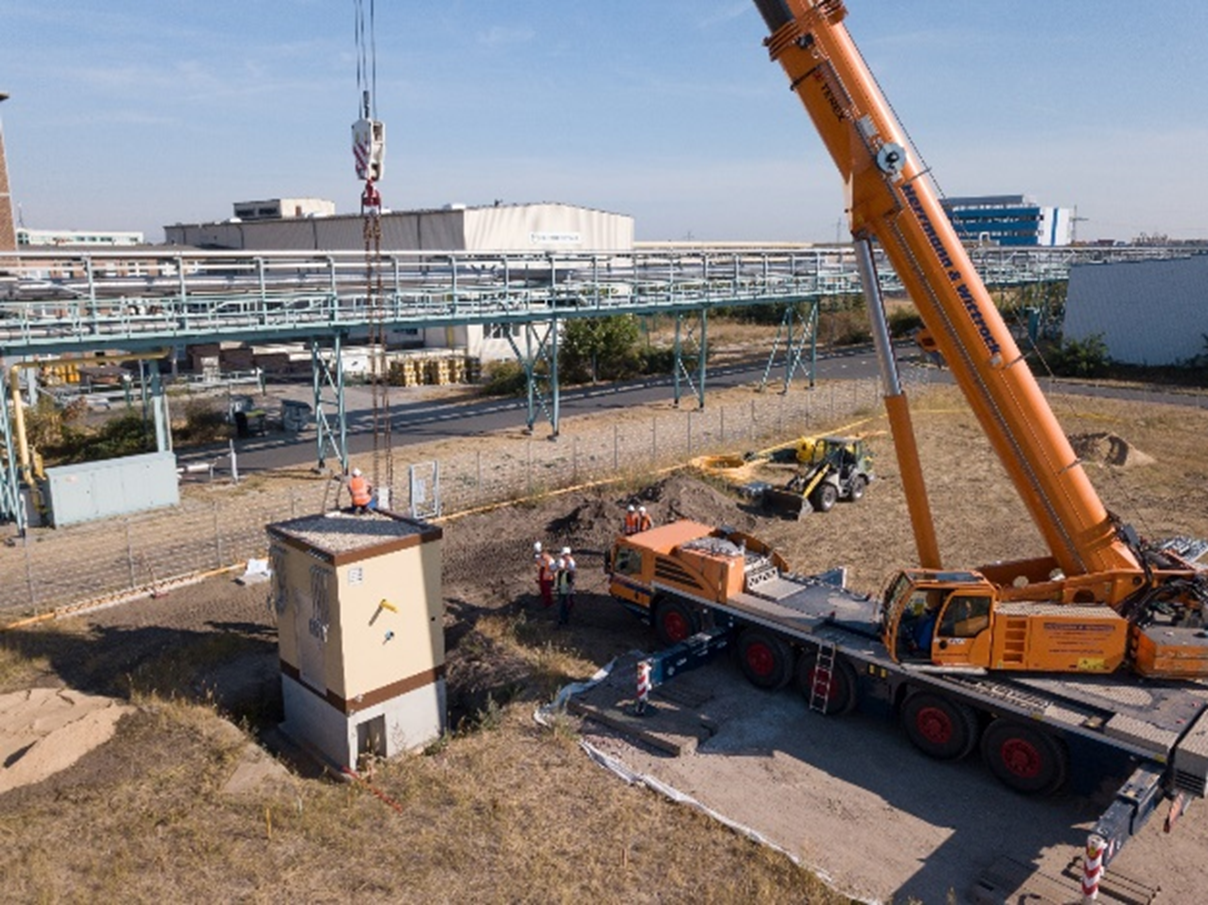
(956, 619)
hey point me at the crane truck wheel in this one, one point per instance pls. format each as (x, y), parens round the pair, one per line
(831, 691)
(764, 659)
(1023, 758)
(939, 727)
(823, 498)
(673, 622)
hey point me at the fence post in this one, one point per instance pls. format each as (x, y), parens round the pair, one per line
(616, 466)
(29, 572)
(654, 438)
(574, 460)
(529, 467)
(722, 409)
(689, 434)
(217, 536)
(752, 419)
(478, 476)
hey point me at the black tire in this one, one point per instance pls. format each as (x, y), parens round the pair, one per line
(858, 485)
(1025, 758)
(674, 621)
(939, 727)
(824, 497)
(841, 696)
(764, 659)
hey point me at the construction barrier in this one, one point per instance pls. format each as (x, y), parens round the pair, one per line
(1092, 867)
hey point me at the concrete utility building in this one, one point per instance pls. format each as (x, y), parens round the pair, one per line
(360, 632)
(509, 227)
(1148, 312)
(1009, 220)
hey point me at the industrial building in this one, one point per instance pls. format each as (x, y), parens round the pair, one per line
(1009, 220)
(307, 224)
(508, 227)
(1135, 307)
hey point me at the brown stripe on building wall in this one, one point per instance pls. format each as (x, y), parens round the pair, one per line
(369, 699)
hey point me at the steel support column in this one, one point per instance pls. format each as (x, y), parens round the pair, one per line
(697, 335)
(328, 377)
(795, 345)
(540, 347)
(11, 507)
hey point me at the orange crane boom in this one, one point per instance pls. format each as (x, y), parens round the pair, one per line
(891, 199)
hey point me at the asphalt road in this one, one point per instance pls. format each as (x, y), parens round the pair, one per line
(423, 420)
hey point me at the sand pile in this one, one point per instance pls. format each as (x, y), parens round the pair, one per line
(45, 730)
(1108, 449)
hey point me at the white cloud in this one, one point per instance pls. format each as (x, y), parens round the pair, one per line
(500, 35)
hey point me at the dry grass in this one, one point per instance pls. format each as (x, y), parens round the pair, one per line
(514, 813)
(505, 810)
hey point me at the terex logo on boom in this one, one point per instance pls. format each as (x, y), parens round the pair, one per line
(962, 289)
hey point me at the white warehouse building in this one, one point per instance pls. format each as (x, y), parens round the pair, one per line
(1148, 312)
(306, 224)
(538, 227)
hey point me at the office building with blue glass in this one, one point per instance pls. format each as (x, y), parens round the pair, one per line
(1009, 220)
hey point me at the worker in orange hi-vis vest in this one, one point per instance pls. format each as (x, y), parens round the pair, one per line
(631, 520)
(545, 574)
(644, 521)
(361, 491)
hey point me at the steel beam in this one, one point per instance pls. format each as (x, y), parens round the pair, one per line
(327, 373)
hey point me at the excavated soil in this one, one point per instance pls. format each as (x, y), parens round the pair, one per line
(1108, 449)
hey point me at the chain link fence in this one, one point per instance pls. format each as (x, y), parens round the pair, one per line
(220, 524)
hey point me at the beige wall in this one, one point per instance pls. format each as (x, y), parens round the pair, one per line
(357, 658)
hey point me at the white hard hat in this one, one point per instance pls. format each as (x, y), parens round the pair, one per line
(356, 472)
(641, 509)
(631, 507)
(566, 551)
(537, 547)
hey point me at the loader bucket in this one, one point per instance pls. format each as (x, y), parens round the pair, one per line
(785, 503)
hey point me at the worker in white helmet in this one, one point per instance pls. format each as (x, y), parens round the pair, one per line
(631, 520)
(644, 521)
(565, 581)
(360, 490)
(545, 574)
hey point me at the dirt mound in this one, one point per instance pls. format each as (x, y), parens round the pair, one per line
(46, 730)
(1108, 449)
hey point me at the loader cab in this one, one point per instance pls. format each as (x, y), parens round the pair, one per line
(940, 618)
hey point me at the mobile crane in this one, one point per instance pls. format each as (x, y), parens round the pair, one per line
(1102, 600)
(1036, 663)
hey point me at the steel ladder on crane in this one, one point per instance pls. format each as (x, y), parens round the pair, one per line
(824, 671)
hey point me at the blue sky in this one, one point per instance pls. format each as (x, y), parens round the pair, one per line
(134, 114)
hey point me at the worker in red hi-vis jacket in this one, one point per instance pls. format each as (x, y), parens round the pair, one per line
(631, 520)
(644, 521)
(545, 574)
(361, 491)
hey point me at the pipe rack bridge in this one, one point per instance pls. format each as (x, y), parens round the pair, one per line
(53, 302)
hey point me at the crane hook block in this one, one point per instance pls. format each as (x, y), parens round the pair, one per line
(369, 148)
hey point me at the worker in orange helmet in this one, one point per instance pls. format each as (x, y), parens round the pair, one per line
(361, 491)
(545, 574)
(631, 520)
(644, 521)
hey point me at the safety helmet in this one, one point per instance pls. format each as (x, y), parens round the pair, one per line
(631, 507)
(566, 551)
(537, 547)
(642, 509)
(356, 472)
